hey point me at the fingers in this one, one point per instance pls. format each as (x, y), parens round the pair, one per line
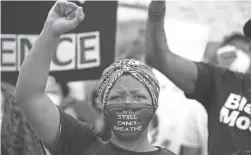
(67, 11)
(56, 6)
(65, 8)
(69, 7)
(61, 9)
(71, 15)
(79, 16)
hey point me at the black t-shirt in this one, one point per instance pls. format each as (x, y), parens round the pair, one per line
(78, 138)
(226, 95)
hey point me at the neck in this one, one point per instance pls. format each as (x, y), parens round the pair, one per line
(140, 144)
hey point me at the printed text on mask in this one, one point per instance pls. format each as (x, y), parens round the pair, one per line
(127, 122)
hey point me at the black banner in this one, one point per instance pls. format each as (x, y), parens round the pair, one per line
(81, 54)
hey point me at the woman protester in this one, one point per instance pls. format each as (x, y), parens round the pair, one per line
(128, 91)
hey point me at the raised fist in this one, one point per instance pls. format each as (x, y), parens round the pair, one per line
(63, 17)
(157, 5)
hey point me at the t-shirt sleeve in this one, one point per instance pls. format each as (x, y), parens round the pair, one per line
(75, 136)
(205, 83)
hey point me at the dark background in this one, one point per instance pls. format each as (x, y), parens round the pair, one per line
(28, 17)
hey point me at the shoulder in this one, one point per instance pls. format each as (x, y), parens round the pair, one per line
(209, 68)
(75, 136)
(75, 127)
(219, 73)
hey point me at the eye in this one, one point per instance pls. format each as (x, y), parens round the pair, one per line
(115, 97)
(140, 96)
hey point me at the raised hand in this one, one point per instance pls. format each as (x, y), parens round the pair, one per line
(63, 17)
(157, 6)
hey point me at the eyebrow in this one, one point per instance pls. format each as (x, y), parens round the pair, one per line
(118, 91)
(135, 91)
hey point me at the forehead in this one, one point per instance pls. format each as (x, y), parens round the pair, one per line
(128, 82)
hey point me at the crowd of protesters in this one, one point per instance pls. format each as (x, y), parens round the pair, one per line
(196, 102)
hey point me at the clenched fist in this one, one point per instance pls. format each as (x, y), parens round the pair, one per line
(157, 5)
(63, 17)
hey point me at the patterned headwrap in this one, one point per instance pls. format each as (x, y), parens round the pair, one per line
(136, 69)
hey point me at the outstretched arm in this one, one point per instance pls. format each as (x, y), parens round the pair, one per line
(39, 110)
(181, 71)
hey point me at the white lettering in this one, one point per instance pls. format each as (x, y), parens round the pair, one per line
(127, 123)
(243, 123)
(247, 109)
(65, 55)
(14, 49)
(123, 129)
(227, 118)
(243, 103)
(127, 117)
(127, 111)
(119, 117)
(8, 52)
(231, 113)
(233, 101)
(88, 50)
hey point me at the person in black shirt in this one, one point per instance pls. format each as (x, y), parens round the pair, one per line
(128, 91)
(225, 94)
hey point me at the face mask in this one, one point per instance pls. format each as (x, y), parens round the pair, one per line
(129, 119)
(241, 63)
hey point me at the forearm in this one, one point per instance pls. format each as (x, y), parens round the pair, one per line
(180, 71)
(41, 113)
(35, 68)
(155, 37)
